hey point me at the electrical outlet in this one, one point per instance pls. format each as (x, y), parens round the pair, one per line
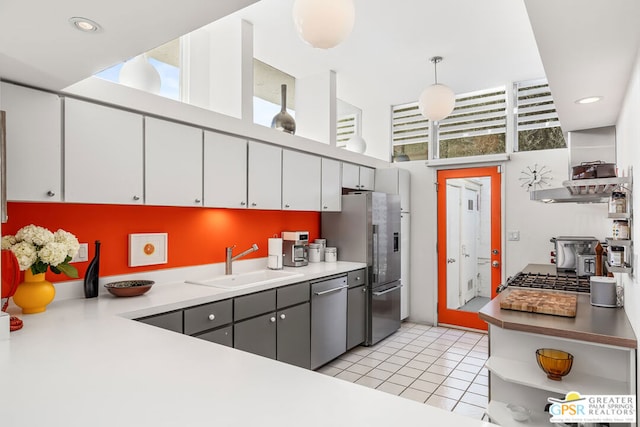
(513, 236)
(83, 253)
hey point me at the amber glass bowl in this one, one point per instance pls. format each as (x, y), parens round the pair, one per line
(555, 363)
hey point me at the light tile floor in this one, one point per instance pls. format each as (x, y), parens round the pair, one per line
(437, 366)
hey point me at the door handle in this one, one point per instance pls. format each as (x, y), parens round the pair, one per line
(330, 291)
(495, 264)
(386, 291)
(450, 260)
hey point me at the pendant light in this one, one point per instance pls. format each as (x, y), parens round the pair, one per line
(140, 74)
(437, 101)
(323, 23)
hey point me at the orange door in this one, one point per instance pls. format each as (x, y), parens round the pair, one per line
(469, 243)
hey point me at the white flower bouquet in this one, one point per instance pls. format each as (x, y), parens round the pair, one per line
(38, 248)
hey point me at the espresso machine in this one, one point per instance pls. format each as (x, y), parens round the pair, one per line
(295, 247)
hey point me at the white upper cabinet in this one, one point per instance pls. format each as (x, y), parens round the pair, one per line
(173, 164)
(225, 171)
(103, 152)
(331, 185)
(395, 181)
(367, 178)
(265, 176)
(357, 177)
(301, 181)
(34, 134)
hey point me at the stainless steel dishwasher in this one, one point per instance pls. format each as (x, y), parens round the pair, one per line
(328, 320)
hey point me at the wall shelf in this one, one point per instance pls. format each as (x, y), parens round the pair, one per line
(529, 374)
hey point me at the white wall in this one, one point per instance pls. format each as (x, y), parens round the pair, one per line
(628, 153)
(537, 222)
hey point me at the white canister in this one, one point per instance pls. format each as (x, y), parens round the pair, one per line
(621, 229)
(323, 246)
(331, 254)
(314, 252)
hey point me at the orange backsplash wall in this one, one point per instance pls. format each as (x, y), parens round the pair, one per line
(196, 235)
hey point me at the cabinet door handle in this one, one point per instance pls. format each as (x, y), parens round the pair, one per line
(253, 204)
(287, 206)
(50, 193)
(212, 317)
(242, 203)
(198, 200)
(325, 207)
(136, 197)
(282, 316)
(272, 320)
(364, 289)
(329, 291)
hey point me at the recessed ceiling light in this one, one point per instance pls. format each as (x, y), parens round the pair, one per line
(589, 100)
(85, 25)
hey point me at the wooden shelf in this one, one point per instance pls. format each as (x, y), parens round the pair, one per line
(499, 414)
(529, 374)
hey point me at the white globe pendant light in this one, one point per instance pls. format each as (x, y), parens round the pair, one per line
(140, 74)
(437, 101)
(357, 144)
(323, 23)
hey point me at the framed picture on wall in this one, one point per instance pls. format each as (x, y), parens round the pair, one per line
(148, 249)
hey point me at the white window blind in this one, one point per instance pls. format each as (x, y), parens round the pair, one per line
(409, 126)
(475, 114)
(346, 128)
(534, 105)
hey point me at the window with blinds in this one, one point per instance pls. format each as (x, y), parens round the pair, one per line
(477, 126)
(346, 128)
(537, 123)
(410, 133)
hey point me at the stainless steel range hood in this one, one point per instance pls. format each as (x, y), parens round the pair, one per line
(585, 146)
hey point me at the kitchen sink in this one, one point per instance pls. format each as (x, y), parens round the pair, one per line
(246, 280)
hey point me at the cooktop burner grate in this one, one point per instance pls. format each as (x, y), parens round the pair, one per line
(560, 282)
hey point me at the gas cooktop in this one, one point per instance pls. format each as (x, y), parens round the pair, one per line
(557, 282)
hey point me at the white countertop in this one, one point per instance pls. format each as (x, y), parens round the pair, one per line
(83, 362)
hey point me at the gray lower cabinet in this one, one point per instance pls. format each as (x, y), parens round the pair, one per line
(356, 316)
(207, 316)
(328, 320)
(356, 308)
(171, 321)
(294, 335)
(222, 336)
(257, 335)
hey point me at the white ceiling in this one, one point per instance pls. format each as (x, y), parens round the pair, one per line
(587, 46)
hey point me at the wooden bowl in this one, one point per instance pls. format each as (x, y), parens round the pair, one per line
(555, 363)
(129, 288)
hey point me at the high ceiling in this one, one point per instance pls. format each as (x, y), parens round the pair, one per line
(587, 46)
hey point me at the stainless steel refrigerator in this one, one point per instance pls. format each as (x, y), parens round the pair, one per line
(368, 230)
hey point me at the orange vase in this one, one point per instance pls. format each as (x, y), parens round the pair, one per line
(34, 294)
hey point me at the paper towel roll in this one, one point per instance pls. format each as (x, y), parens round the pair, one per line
(274, 261)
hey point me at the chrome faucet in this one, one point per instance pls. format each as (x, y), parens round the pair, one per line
(230, 258)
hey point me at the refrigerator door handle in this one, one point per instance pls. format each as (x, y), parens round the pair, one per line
(386, 291)
(376, 254)
(396, 241)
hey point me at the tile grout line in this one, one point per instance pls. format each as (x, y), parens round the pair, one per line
(439, 340)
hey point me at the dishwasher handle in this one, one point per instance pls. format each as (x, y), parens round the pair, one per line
(386, 291)
(329, 291)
